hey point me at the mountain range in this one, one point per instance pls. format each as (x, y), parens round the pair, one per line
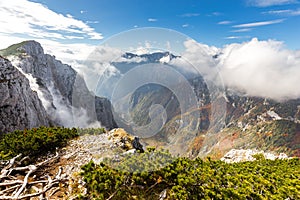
(36, 89)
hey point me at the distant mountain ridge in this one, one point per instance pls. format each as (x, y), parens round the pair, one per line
(250, 122)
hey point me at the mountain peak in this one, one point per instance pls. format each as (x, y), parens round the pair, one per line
(32, 47)
(29, 47)
(151, 57)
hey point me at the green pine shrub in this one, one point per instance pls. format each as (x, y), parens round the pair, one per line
(192, 179)
(91, 131)
(34, 142)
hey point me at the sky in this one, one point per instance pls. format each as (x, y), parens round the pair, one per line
(257, 38)
(212, 22)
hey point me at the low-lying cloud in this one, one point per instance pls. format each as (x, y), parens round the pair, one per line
(256, 68)
(262, 68)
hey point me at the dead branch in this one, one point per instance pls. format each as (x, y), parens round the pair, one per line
(5, 170)
(32, 169)
(26, 178)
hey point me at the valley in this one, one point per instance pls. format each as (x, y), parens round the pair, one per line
(188, 121)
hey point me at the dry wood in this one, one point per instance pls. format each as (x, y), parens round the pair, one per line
(23, 182)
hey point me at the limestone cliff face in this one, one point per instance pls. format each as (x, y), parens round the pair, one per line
(20, 107)
(57, 86)
(104, 111)
(48, 71)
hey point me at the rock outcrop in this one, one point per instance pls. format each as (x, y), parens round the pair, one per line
(104, 113)
(20, 107)
(242, 155)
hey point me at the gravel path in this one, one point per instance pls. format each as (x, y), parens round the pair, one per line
(84, 149)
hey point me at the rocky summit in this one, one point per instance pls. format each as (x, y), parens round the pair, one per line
(37, 89)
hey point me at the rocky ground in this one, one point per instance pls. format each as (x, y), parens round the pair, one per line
(86, 148)
(56, 176)
(242, 155)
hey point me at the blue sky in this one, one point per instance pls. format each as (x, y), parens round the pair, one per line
(212, 22)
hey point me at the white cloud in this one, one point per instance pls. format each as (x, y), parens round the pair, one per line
(225, 22)
(190, 15)
(92, 22)
(35, 20)
(7, 40)
(215, 14)
(288, 12)
(185, 25)
(140, 50)
(98, 61)
(262, 68)
(200, 56)
(79, 51)
(74, 37)
(105, 54)
(242, 30)
(95, 36)
(257, 68)
(266, 3)
(69, 16)
(262, 23)
(152, 20)
(232, 37)
(24, 20)
(277, 12)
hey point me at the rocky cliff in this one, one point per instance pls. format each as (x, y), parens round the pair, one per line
(57, 85)
(20, 107)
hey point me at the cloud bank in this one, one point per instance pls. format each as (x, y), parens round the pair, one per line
(256, 68)
(261, 68)
(35, 20)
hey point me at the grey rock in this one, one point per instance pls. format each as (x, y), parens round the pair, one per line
(20, 107)
(63, 92)
(104, 112)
